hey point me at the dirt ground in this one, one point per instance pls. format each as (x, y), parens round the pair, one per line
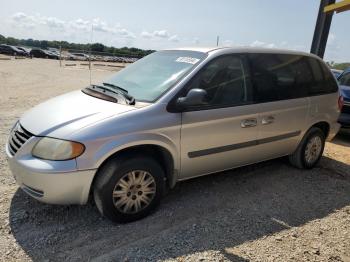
(264, 212)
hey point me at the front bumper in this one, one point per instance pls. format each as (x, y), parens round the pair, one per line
(52, 182)
(344, 120)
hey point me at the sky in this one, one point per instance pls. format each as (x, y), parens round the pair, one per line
(160, 24)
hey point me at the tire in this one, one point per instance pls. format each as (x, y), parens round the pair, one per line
(314, 136)
(112, 178)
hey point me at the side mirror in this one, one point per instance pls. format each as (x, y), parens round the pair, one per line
(194, 97)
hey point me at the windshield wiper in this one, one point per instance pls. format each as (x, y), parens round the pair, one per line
(123, 91)
(115, 86)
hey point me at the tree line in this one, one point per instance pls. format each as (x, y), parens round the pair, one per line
(94, 48)
(339, 66)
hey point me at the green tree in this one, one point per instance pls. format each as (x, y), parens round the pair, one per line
(11, 41)
(2, 39)
(97, 47)
(44, 44)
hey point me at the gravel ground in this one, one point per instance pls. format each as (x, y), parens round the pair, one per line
(264, 212)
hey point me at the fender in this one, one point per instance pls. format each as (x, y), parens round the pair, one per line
(122, 142)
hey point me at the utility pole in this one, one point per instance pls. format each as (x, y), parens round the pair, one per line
(92, 32)
(60, 56)
(217, 40)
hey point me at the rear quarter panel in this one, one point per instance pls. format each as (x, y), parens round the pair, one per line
(324, 108)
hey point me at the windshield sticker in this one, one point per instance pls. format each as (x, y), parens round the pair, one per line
(188, 60)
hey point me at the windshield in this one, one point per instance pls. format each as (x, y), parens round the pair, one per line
(15, 48)
(148, 78)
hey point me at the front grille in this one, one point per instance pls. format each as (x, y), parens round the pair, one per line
(17, 138)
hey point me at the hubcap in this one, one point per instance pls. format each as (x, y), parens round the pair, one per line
(134, 191)
(313, 149)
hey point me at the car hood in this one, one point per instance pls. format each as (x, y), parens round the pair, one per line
(65, 114)
(345, 92)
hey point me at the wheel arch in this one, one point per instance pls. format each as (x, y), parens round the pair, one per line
(324, 126)
(160, 153)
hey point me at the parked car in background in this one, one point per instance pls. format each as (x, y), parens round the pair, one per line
(54, 52)
(68, 56)
(98, 58)
(39, 53)
(336, 72)
(81, 56)
(109, 59)
(210, 109)
(11, 50)
(26, 51)
(344, 83)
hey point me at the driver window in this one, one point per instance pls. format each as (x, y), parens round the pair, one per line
(225, 80)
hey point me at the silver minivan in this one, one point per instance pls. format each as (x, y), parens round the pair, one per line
(171, 116)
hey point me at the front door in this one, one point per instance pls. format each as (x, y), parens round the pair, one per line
(220, 133)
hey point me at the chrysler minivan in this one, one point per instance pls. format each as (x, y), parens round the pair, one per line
(172, 116)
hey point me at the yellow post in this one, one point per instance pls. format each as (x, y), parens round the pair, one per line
(338, 7)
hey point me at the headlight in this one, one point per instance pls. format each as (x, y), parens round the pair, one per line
(57, 149)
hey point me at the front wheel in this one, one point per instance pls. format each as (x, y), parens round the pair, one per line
(309, 150)
(128, 189)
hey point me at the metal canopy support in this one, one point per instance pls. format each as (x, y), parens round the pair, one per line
(323, 25)
(338, 7)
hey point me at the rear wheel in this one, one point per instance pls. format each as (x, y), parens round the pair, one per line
(309, 150)
(129, 189)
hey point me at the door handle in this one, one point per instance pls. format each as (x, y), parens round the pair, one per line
(267, 120)
(249, 122)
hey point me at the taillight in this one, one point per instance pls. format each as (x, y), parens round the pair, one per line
(340, 102)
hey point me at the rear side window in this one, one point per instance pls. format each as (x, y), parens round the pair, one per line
(280, 76)
(283, 76)
(330, 84)
(318, 75)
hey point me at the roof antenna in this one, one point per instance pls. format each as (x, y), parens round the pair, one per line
(217, 40)
(92, 33)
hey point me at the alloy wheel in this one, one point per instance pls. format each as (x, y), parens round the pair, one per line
(313, 149)
(134, 191)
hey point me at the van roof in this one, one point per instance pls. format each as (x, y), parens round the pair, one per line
(245, 50)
